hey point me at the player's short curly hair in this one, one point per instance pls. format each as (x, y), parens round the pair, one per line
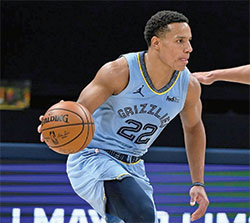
(158, 23)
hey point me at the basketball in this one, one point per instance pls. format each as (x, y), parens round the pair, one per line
(67, 127)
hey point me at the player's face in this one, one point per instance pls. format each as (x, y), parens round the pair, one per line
(175, 47)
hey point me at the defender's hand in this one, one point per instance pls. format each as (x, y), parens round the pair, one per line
(205, 77)
(198, 194)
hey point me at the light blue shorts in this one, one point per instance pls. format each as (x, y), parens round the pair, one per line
(88, 169)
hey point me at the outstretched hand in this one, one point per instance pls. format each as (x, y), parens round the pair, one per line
(205, 77)
(198, 194)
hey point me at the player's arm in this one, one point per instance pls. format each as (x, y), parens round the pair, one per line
(111, 79)
(195, 142)
(239, 74)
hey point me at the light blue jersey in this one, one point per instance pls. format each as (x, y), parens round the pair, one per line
(127, 123)
(130, 122)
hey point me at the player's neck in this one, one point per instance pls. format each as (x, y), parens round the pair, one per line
(159, 73)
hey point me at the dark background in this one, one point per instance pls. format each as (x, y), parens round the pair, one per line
(60, 45)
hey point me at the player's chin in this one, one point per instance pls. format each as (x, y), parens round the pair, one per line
(180, 68)
(181, 64)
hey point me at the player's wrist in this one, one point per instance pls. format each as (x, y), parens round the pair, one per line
(218, 75)
(198, 184)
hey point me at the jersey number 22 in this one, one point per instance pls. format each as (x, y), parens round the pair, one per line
(147, 131)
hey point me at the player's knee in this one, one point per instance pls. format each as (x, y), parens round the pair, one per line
(144, 213)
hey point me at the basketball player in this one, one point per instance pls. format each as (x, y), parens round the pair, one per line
(132, 100)
(239, 74)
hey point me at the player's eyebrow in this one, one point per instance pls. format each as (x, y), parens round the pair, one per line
(183, 37)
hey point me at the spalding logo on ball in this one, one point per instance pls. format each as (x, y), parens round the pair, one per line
(67, 127)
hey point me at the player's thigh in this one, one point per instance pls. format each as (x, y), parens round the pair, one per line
(127, 198)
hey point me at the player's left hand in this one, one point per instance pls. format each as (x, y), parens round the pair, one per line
(198, 194)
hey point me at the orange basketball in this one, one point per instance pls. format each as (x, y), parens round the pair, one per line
(67, 127)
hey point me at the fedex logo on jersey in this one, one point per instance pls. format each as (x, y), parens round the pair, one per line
(173, 99)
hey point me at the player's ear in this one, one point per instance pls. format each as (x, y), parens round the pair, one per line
(155, 42)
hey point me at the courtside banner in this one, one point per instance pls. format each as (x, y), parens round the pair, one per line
(41, 193)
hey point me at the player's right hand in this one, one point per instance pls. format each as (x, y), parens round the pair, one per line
(39, 128)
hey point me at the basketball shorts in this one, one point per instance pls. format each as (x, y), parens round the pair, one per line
(87, 170)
